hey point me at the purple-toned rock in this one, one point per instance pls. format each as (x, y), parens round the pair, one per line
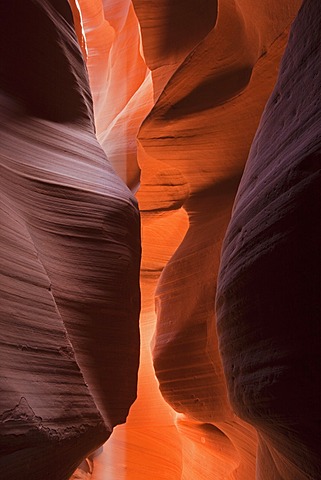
(268, 300)
(70, 254)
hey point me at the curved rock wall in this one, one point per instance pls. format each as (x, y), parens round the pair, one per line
(268, 299)
(197, 137)
(70, 253)
(120, 81)
(209, 90)
(178, 90)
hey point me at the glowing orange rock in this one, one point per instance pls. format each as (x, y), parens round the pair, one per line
(201, 129)
(70, 221)
(210, 87)
(119, 79)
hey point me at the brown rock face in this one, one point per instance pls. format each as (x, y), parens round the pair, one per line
(268, 300)
(175, 92)
(70, 252)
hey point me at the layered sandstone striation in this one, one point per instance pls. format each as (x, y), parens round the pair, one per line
(198, 136)
(174, 95)
(210, 84)
(268, 299)
(70, 253)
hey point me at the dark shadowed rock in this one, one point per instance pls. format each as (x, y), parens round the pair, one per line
(269, 298)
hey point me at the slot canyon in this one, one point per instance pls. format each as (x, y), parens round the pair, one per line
(160, 292)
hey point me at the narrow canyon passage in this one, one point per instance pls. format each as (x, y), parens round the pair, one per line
(189, 130)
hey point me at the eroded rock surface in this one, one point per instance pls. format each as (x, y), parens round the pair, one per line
(120, 81)
(70, 252)
(199, 133)
(178, 90)
(268, 299)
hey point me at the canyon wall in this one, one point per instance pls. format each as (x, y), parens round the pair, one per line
(176, 94)
(268, 300)
(70, 254)
(192, 150)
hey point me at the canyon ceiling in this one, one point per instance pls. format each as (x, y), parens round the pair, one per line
(160, 272)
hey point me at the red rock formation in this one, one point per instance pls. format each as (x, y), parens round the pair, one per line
(119, 79)
(268, 299)
(196, 90)
(70, 255)
(192, 150)
(70, 240)
(193, 147)
(170, 32)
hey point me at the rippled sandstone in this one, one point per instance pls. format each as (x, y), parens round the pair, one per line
(70, 252)
(178, 91)
(268, 299)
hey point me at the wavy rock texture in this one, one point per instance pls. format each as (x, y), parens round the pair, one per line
(212, 70)
(268, 299)
(178, 91)
(193, 147)
(70, 252)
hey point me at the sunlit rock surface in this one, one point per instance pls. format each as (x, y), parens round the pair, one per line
(197, 137)
(210, 85)
(70, 252)
(120, 81)
(269, 285)
(178, 90)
